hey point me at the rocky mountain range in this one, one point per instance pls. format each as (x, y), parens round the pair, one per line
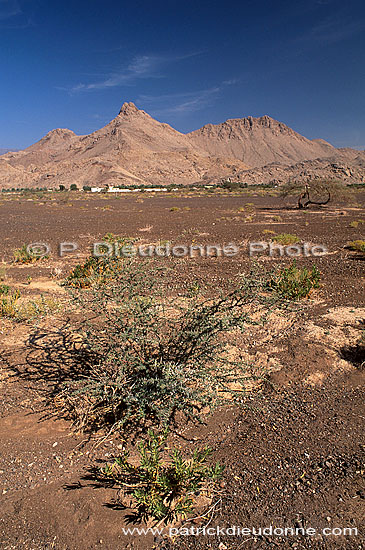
(136, 149)
(258, 141)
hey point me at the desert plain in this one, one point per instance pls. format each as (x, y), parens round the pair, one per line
(293, 452)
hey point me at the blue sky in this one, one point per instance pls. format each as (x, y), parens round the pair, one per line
(72, 64)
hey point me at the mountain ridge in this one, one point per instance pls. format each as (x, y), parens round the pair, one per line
(259, 141)
(134, 147)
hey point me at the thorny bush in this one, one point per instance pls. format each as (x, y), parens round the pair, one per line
(153, 356)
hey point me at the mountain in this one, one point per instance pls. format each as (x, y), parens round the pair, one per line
(259, 141)
(134, 148)
(339, 167)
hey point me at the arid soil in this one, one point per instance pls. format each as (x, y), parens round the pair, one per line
(293, 455)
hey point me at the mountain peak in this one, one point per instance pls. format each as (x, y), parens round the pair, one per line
(60, 132)
(129, 108)
(253, 123)
(53, 139)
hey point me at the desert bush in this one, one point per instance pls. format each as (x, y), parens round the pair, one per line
(294, 283)
(165, 490)
(36, 308)
(286, 239)
(94, 270)
(91, 271)
(152, 356)
(121, 240)
(357, 246)
(24, 256)
(24, 310)
(248, 207)
(232, 185)
(8, 302)
(355, 224)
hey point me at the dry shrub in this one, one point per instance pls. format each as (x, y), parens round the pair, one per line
(152, 356)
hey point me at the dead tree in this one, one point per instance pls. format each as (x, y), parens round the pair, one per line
(304, 199)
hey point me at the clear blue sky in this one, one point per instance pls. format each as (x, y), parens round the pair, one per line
(72, 64)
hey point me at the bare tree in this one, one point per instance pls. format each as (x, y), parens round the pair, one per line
(318, 192)
(304, 199)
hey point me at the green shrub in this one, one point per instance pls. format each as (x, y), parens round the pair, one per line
(355, 224)
(357, 246)
(232, 185)
(248, 207)
(163, 490)
(286, 239)
(94, 270)
(91, 271)
(153, 356)
(24, 256)
(36, 308)
(121, 240)
(4, 289)
(24, 310)
(8, 302)
(294, 283)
